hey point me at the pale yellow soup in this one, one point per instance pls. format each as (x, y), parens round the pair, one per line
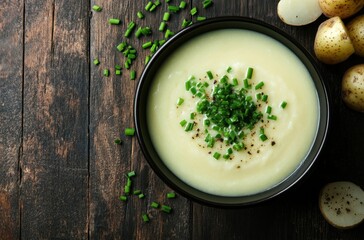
(261, 165)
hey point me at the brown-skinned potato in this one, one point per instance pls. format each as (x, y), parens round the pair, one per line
(340, 8)
(356, 32)
(352, 88)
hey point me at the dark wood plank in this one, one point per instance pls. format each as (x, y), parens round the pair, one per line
(11, 62)
(111, 112)
(54, 165)
(295, 214)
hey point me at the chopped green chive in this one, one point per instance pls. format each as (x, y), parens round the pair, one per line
(272, 117)
(185, 23)
(130, 28)
(106, 72)
(147, 44)
(152, 8)
(132, 75)
(145, 217)
(229, 69)
(283, 104)
(235, 82)
(126, 189)
(189, 127)
(264, 98)
(117, 141)
(162, 26)
(96, 8)
(249, 73)
(246, 84)
(226, 156)
(166, 16)
(173, 9)
(161, 42)
(114, 21)
(258, 96)
(137, 192)
(117, 72)
(168, 34)
(183, 122)
(128, 182)
(118, 67)
(268, 109)
(263, 137)
(209, 74)
(216, 155)
(157, 2)
(154, 205)
(131, 174)
(147, 59)
(171, 195)
(200, 18)
(259, 85)
(148, 6)
(141, 196)
(193, 11)
(154, 47)
(121, 46)
(192, 115)
(129, 131)
(123, 198)
(206, 122)
(166, 208)
(96, 61)
(180, 101)
(207, 3)
(140, 15)
(182, 5)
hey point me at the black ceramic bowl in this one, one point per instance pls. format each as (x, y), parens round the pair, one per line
(164, 52)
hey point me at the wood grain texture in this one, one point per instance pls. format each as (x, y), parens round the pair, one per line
(61, 173)
(54, 164)
(11, 37)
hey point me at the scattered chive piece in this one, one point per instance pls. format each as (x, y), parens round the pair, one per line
(259, 85)
(209, 74)
(117, 141)
(154, 47)
(132, 75)
(141, 196)
(131, 174)
(246, 83)
(106, 72)
(152, 8)
(264, 98)
(157, 2)
(121, 47)
(207, 3)
(127, 189)
(138, 32)
(263, 137)
(96, 61)
(189, 127)
(154, 205)
(129, 131)
(148, 6)
(168, 34)
(206, 122)
(249, 73)
(145, 217)
(216, 155)
(283, 104)
(114, 21)
(166, 208)
(229, 69)
(235, 82)
(183, 122)
(258, 96)
(173, 9)
(192, 115)
(180, 101)
(128, 182)
(200, 18)
(147, 59)
(171, 195)
(140, 15)
(166, 16)
(117, 72)
(162, 26)
(97, 8)
(193, 11)
(272, 117)
(226, 156)
(167, 1)
(185, 23)
(161, 42)
(118, 67)
(268, 109)
(123, 198)
(182, 5)
(147, 44)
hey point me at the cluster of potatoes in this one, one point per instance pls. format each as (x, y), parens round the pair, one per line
(335, 42)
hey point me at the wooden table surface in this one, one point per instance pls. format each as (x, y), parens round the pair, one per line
(60, 171)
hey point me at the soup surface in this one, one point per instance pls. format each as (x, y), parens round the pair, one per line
(260, 164)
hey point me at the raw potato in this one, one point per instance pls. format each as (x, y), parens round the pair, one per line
(332, 42)
(342, 204)
(298, 12)
(352, 88)
(356, 33)
(341, 8)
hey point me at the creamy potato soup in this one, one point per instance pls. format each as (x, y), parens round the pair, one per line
(257, 164)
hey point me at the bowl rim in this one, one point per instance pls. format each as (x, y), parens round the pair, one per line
(231, 22)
